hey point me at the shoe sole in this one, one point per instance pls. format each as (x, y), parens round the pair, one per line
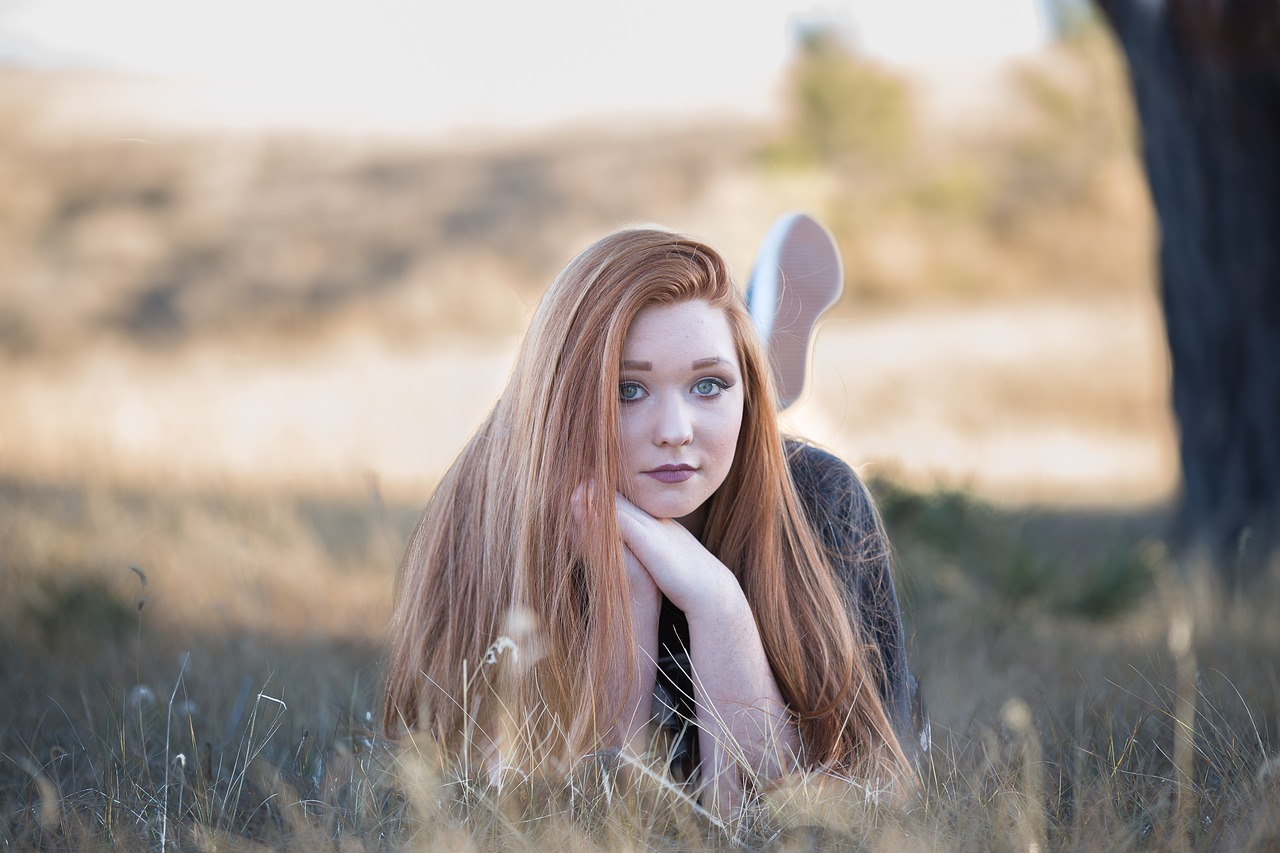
(797, 277)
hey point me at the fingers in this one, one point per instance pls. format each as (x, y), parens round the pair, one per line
(681, 566)
(624, 504)
(651, 540)
(583, 497)
(636, 572)
(636, 526)
(643, 586)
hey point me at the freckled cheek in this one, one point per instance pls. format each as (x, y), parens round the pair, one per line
(725, 442)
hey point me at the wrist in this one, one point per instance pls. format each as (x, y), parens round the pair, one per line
(643, 592)
(719, 599)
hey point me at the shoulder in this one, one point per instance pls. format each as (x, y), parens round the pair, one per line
(829, 489)
(815, 470)
(810, 459)
(840, 509)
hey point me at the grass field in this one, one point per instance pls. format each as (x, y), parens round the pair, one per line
(233, 367)
(201, 667)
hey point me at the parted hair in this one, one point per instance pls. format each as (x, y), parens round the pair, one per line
(498, 554)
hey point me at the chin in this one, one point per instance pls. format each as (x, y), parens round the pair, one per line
(667, 506)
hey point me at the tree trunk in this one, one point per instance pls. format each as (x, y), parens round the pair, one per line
(1206, 81)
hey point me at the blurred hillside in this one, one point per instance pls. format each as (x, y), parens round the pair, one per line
(175, 239)
(162, 237)
(299, 306)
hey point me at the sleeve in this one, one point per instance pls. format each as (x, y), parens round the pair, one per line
(841, 510)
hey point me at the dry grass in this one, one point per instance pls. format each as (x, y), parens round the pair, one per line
(223, 701)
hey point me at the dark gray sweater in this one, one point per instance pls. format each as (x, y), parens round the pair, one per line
(841, 510)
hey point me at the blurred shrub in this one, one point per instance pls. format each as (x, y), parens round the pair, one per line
(844, 109)
(936, 517)
(1069, 18)
(960, 189)
(1035, 188)
(1113, 584)
(79, 611)
(957, 548)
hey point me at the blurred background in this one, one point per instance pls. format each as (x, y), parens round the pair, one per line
(264, 266)
(277, 242)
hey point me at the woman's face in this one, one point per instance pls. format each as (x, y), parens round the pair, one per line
(680, 400)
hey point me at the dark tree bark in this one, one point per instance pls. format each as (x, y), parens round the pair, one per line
(1206, 81)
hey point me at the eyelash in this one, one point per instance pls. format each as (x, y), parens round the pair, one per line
(720, 387)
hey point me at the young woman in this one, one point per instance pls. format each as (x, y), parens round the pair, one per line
(629, 518)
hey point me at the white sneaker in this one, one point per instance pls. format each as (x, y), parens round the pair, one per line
(797, 277)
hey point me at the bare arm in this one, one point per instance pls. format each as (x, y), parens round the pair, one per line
(743, 722)
(635, 697)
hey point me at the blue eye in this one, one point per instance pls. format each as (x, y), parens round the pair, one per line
(629, 392)
(709, 387)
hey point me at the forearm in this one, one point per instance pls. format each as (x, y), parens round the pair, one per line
(633, 697)
(743, 723)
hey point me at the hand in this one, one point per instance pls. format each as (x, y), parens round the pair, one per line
(686, 572)
(741, 714)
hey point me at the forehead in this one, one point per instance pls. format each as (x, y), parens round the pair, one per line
(695, 324)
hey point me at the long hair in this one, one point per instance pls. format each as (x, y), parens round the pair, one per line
(497, 554)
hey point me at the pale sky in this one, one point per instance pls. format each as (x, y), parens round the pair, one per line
(430, 64)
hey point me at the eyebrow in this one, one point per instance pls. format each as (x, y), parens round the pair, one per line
(697, 365)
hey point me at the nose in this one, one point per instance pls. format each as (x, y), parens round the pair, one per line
(674, 426)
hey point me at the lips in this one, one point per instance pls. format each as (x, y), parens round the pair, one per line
(672, 473)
